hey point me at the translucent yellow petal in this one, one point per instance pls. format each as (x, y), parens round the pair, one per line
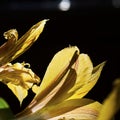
(18, 78)
(83, 90)
(86, 112)
(83, 69)
(14, 48)
(56, 69)
(111, 104)
(19, 91)
(19, 75)
(62, 94)
(79, 81)
(77, 109)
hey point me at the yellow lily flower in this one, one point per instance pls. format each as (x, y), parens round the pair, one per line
(68, 78)
(17, 76)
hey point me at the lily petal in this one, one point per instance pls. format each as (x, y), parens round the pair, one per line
(79, 81)
(18, 78)
(56, 70)
(83, 90)
(58, 64)
(71, 75)
(111, 103)
(86, 112)
(78, 76)
(14, 47)
(78, 109)
(19, 91)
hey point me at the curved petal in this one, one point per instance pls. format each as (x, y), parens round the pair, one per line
(78, 76)
(111, 103)
(71, 109)
(14, 48)
(79, 81)
(83, 90)
(18, 91)
(18, 74)
(18, 78)
(86, 112)
(56, 70)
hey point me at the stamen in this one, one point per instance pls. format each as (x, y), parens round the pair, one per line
(27, 65)
(11, 34)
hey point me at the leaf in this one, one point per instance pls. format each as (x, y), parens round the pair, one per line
(5, 112)
(14, 47)
(3, 104)
(111, 104)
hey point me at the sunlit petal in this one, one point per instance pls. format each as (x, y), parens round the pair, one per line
(56, 70)
(86, 112)
(83, 90)
(69, 77)
(79, 80)
(19, 91)
(77, 109)
(78, 76)
(14, 47)
(111, 103)
(59, 63)
(18, 78)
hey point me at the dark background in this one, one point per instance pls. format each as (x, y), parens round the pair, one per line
(92, 25)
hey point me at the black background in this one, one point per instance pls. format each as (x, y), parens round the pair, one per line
(92, 26)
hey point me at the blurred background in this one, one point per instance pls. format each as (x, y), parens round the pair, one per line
(92, 25)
